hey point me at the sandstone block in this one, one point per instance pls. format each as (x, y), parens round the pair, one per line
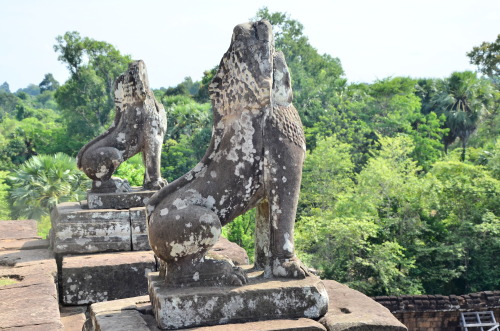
(79, 230)
(135, 198)
(138, 308)
(260, 299)
(23, 244)
(31, 303)
(139, 230)
(352, 310)
(73, 317)
(229, 250)
(101, 277)
(18, 229)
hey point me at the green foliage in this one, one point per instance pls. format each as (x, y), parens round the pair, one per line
(242, 232)
(185, 116)
(20, 140)
(87, 98)
(463, 98)
(44, 181)
(487, 58)
(202, 95)
(178, 157)
(4, 203)
(363, 236)
(4, 281)
(132, 170)
(493, 163)
(44, 226)
(188, 134)
(5, 87)
(427, 137)
(49, 83)
(316, 79)
(464, 224)
(328, 174)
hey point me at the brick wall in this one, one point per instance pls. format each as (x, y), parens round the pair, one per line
(439, 312)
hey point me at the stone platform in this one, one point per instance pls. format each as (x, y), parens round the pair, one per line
(86, 279)
(136, 198)
(348, 310)
(30, 301)
(260, 299)
(79, 230)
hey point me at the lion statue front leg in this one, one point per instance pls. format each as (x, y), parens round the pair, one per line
(186, 235)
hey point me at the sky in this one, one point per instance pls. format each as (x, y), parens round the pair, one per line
(176, 39)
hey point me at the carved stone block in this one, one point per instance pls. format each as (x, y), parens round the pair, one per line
(135, 313)
(137, 197)
(101, 277)
(139, 229)
(259, 299)
(79, 230)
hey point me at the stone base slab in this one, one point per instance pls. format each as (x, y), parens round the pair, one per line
(93, 278)
(348, 310)
(138, 314)
(260, 299)
(135, 198)
(352, 310)
(78, 230)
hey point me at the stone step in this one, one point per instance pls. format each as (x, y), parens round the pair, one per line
(94, 278)
(30, 302)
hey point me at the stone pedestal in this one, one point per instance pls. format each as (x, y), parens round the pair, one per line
(260, 299)
(101, 277)
(135, 198)
(79, 230)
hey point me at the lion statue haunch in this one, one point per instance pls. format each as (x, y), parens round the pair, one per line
(139, 126)
(254, 160)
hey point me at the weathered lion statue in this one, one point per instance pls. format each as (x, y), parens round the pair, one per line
(139, 126)
(254, 160)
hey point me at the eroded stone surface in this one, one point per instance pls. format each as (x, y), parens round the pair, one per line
(128, 320)
(229, 250)
(22, 258)
(139, 126)
(102, 277)
(23, 244)
(78, 230)
(299, 324)
(143, 309)
(260, 299)
(73, 318)
(32, 302)
(352, 310)
(18, 229)
(137, 197)
(139, 230)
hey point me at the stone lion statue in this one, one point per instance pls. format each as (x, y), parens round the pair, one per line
(254, 159)
(139, 126)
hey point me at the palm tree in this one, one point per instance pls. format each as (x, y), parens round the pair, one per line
(463, 99)
(44, 181)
